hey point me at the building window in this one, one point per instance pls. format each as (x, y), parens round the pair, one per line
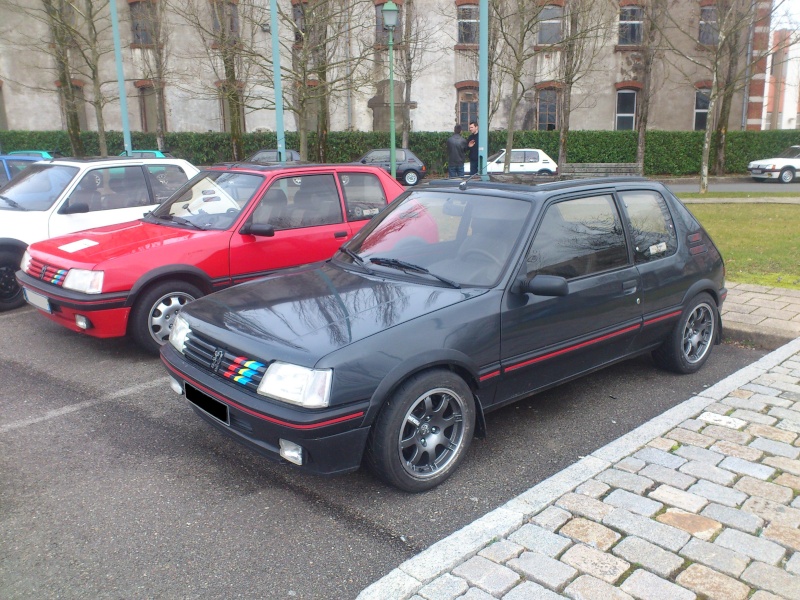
(626, 109)
(381, 33)
(630, 25)
(225, 16)
(468, 24)
(144, 22)
(79, 104)
(709, 31)
(550, 25)
(701, 100)
(467, 107)
(299, 16)
(547, 109)
(148, 107)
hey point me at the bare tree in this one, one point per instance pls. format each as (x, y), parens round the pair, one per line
(654, 13)
(152, 34)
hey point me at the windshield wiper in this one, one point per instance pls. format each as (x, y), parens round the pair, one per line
(174, 219)
(394, 263)
(12, 203)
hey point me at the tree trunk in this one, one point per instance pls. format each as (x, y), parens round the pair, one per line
(234, 103)
(727, 101)
(563, 117)
(512, 113)
(98, 113)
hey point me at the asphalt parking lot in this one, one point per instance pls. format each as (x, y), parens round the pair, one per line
(110, 487)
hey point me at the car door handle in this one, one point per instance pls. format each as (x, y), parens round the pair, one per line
(629, 287)
(340, 234)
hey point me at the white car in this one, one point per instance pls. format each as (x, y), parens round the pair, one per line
(783, 167)
(524, 160)
(64, 195)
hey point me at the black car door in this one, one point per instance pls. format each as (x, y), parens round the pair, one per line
(546, 339)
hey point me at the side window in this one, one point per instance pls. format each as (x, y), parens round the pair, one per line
(517, 157)
(310, 200)
(363, 195)
(577, 238)
(3, 176)
(532, 157)
(123, 187)
(165, 180)
(651, 225)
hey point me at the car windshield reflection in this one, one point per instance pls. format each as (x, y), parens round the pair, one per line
(464, 240)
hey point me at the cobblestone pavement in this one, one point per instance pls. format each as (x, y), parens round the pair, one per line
(764, 316)
(701, 502)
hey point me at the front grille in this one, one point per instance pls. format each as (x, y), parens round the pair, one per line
(237, 369)
(47, 273)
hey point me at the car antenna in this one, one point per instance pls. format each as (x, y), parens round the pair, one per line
(463, 185)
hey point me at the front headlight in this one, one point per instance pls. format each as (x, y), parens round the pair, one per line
(180, 331)
(310, 388)
(81, 280)
(25, 262)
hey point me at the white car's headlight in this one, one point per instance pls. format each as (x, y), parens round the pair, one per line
(310, 388)
(25, 262)
(180, 331)
(81, 280)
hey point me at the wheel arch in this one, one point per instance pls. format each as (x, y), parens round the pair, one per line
(707, 286)
(186, 273)
(13, 244)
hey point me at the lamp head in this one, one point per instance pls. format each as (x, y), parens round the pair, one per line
(390, 11)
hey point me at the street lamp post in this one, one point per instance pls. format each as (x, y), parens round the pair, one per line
(390, 22)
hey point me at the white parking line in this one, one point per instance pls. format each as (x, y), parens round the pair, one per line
(52, 414)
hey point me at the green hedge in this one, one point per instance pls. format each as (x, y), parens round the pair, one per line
(667, 152)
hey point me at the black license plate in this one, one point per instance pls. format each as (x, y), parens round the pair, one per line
(209, 405)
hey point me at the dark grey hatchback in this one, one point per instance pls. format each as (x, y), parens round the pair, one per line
(450, 303)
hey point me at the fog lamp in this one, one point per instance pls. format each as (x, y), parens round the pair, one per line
(83, 322)
(291, 452)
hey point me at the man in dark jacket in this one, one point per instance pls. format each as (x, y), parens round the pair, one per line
(472, 143)
(456, 153)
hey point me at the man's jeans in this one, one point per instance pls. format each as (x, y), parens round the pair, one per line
(456, 171)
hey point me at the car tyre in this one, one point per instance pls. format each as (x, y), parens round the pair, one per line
(154, 312)
(690, 342)
(10, 290)
(787, 175)
(545, 173)
(410, 178)
(423, 431)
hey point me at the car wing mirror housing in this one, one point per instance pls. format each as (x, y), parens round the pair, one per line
(75, 208)
(546, 285)
(258, 229)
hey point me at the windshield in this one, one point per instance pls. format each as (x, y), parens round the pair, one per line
(37, 188)
(793, 152)
(211, 200)
(465, 239)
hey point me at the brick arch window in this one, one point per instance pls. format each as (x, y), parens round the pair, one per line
(144, 22)
(468, 17)
(627, 104)
(547, 98)
(631, 21)
(708, 30)
(466, 102)
(551, 23)
(381, 33)
(702, 98)
(148, 103)
(225, 18)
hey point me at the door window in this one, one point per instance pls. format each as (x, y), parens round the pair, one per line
(532, 157)
(363, 195)
(578, 238)
(111, 188)
(517, 156)
(165, 180)
(294, 202)
(651, 225)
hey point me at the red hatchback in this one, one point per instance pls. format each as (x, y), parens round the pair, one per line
(228, 224)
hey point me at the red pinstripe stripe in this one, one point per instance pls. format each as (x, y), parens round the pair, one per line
(489, 375)
(662, 318)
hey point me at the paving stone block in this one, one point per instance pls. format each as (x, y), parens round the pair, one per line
(578, 504)
(796, 502)
(591, 533)
(626, 481)
(528, 590)
(699, 454)
(718, 493)
(772, 433)
(501, 551)
(551, 518)
(785, 414)
(549, 572)
(646, 586)
(602, 565)
(703, 471)
(633, 502)
(725, 433)
(712, 585)
(661, 443)
(679, 498)
(770, 491)
(445, 587)
(793, 564)
(777, 448)
(669, 476)
(762, 595)
(693, 424)
(789, 426)
(745, 467)
(684, 436)
(718, 408)
(772, 579)
(773, 512)
(773, 400)
(737, 450)
(538, 539)
(638, 551)
(788, 537)
(592, 488)
(630, 464)
(761, 389)
(698, 526)
(744, 403)
(733, 517)
(740, 393)
(753, 417)
(489, 576)
(788, 480)
(476, 594)
(587, 587)
(722, 420)
(715, 556)
(752, 546)
(662, 535)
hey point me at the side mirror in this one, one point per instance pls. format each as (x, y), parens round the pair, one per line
(546, 285)
(73, 209)
(257, 229)
(363, 161)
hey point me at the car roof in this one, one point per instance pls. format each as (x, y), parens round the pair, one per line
(108, 160)
(477, 186)
(269, 167)
(29, 157)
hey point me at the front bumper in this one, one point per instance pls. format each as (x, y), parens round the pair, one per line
(107, 313)
(759, 173)
(333, 440)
